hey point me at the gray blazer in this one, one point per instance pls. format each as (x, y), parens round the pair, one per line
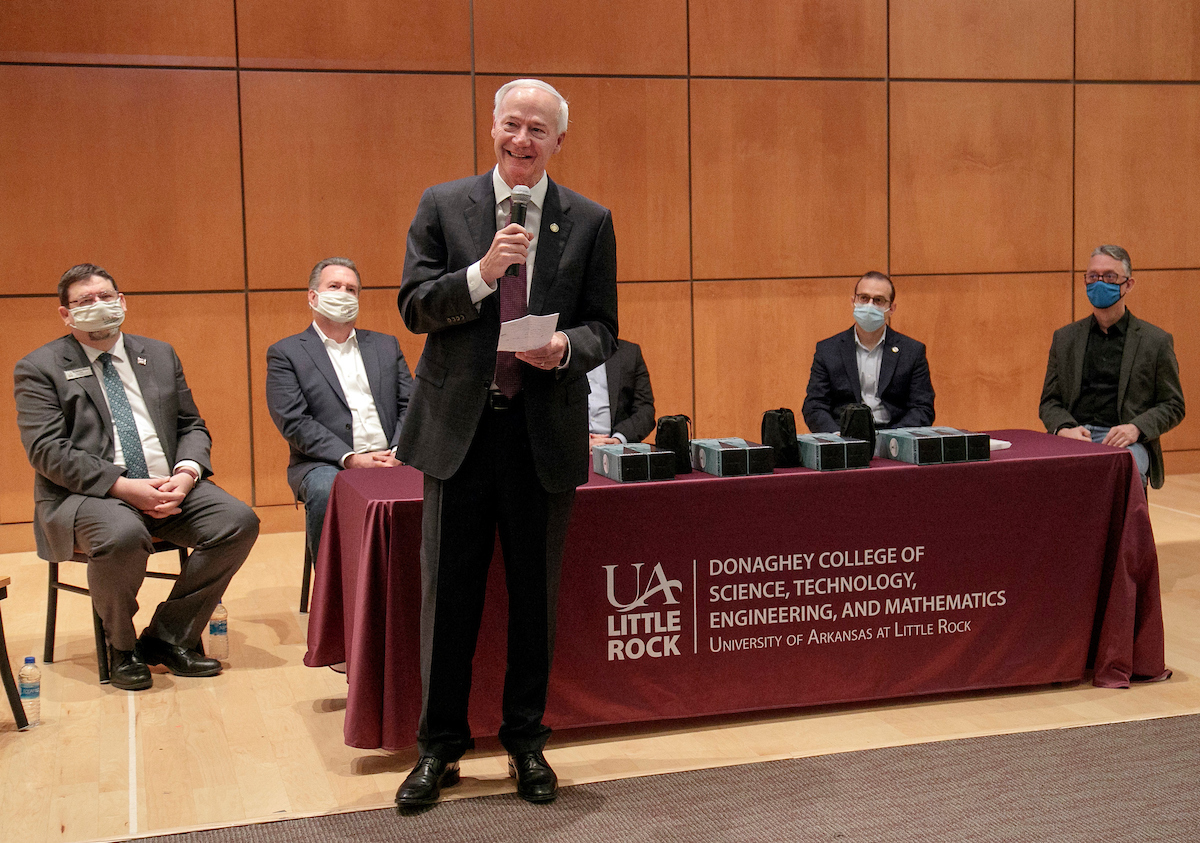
(306, 402)
(574, 276)
(67, 429)
(1149, 394)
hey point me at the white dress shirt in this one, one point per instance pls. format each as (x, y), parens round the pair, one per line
(599, 413)
(347, 361)
(869, 362)
(156, 459)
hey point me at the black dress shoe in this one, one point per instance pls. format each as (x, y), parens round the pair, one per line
(536, 782)
(127, 671)
(424, 784)
(179, 660)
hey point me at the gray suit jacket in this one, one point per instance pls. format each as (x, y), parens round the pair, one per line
(1149, 394)
(67, 429)
(574, 276)
(306, 402)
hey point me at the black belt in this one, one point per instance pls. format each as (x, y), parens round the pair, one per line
(499, 401)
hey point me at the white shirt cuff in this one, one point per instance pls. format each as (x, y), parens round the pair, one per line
(193, 465)
(477, 287)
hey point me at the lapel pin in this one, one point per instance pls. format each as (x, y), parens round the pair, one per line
(554, 227)
(142, 360)
(895, 349)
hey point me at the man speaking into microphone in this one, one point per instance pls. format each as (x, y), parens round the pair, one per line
(501, 437)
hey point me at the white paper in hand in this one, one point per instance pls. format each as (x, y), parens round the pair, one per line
(528, 332)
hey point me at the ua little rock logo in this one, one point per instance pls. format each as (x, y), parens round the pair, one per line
(657, 583)
(655, 634)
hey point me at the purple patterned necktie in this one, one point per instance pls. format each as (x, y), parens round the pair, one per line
(512, 306)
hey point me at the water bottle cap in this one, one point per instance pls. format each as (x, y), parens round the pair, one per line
(30, 660)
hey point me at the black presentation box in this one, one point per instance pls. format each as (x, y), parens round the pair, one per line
(732, 457)
(831, 452)
(629, 463)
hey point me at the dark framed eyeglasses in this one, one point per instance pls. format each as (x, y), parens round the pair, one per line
(1108, 277)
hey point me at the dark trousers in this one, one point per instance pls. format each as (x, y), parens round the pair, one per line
(495, 490)
(218, 527)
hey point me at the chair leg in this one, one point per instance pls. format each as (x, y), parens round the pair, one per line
(51, 614)
(10, 686)
(101, 648)
(304, 583)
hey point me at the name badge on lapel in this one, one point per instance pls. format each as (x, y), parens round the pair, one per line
(76, 374)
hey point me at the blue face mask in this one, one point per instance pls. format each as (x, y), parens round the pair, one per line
(1103, 294)
(869, 317)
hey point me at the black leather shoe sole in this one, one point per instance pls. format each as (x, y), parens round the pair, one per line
(131, 683)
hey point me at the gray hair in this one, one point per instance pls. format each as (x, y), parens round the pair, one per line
(1117, 254)
(314, 277)
(541, 86)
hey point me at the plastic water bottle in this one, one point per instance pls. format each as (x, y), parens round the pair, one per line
(29, 682)
(218, 634)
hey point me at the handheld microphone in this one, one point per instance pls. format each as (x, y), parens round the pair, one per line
(520, 205)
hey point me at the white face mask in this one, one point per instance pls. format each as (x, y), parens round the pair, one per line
(98, 316)
(336, 305)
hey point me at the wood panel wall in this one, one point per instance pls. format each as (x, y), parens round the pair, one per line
(758, 156)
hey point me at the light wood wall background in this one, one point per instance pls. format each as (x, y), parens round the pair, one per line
(758, 156)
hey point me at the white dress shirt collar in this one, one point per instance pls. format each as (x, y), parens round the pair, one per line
(503, 191)
(326, 340)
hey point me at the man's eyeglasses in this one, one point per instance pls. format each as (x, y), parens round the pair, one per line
(88, 301)
(878, 301)
(1109, 277)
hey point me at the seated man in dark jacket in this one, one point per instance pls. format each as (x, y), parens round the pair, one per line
(870, 364)
(621, 403)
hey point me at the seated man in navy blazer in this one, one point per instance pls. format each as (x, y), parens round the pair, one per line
(870, 364)
(621, 402)
(122, 455)
(338, 395)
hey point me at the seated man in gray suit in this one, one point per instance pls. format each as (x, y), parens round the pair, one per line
(122, 455)
(621, 402)
(338, 395)
(1111, 377)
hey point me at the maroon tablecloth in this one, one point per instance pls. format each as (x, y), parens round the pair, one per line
(705, 595)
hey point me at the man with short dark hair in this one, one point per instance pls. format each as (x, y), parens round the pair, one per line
(337, 394)
(122, 455)
(502, 437)
(1111, 377)
(871, 364)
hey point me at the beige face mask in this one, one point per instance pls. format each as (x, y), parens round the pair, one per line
(98, 316)
(336, 305)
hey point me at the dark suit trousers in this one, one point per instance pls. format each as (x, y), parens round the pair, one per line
(495, 490)
(218, 527)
